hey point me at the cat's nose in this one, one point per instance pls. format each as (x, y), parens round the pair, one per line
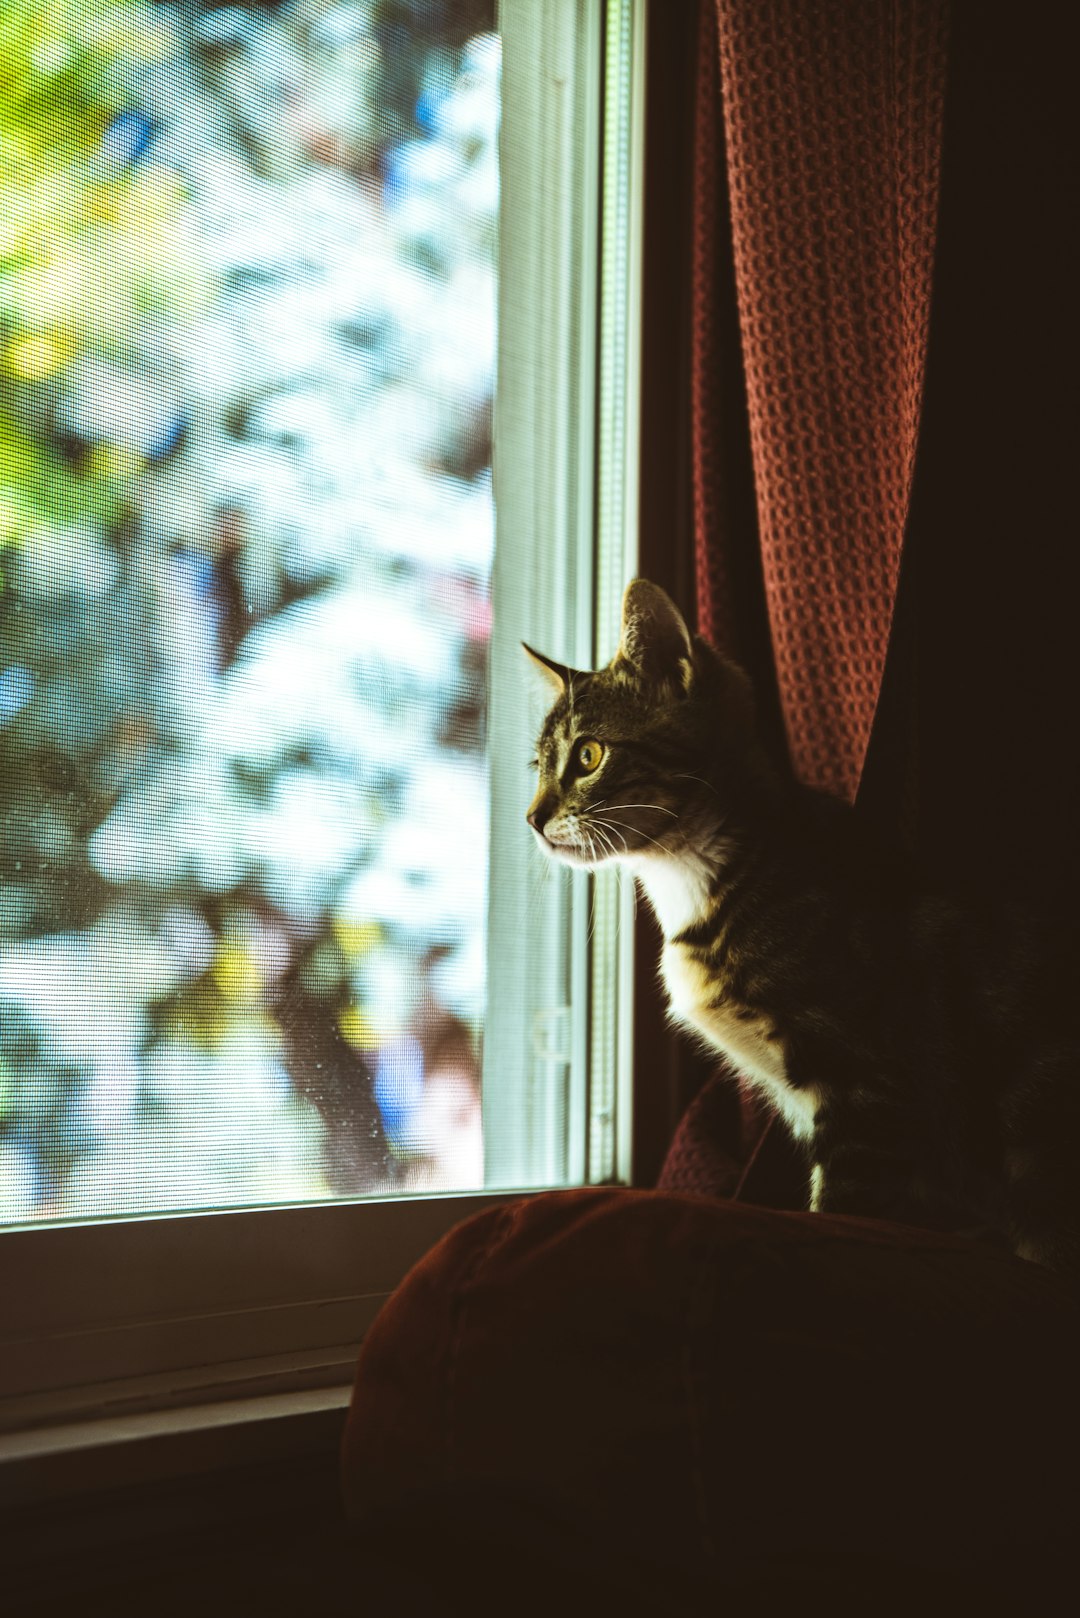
(535, 820)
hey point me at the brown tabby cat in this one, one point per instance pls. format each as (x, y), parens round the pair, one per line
(925, 1051)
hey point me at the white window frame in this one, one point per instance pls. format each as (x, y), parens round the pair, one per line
(129, 1330)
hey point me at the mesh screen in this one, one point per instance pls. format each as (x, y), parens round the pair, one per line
(247, 343)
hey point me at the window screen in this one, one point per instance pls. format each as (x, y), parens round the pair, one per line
(248, 261)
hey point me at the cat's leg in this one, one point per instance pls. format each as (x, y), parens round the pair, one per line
(849, 1176)
(868, 1160)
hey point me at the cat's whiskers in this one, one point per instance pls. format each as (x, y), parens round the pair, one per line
(685, 775)
(598, 827)
(597, 850)
(604, 828)
(605, 803)
(639, 833)
(590, 931)
(658, 806)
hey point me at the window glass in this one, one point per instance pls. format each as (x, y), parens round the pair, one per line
(247, 354)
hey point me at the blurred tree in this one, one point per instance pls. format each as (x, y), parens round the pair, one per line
(91, 256)
(218, 704)
(89, 251)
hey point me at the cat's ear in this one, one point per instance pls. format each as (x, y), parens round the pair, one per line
(556, 675)
(655, 640)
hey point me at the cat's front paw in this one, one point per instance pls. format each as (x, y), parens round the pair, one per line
(817, 1187)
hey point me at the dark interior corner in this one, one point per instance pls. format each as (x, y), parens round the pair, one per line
(974, 744)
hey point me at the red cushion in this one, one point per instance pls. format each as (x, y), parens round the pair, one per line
(652, 1393)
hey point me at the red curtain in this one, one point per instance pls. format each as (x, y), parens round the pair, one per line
(818, 140)
(829, 115)
(825, 131)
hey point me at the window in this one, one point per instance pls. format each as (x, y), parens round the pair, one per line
(280, 976)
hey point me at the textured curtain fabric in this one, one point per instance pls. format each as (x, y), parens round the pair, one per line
(827, 116)
(818, 142)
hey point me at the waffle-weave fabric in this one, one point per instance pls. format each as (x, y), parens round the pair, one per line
(830, 113)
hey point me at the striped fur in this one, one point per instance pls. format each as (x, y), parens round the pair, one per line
(922, 1049)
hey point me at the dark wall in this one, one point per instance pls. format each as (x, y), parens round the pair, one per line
(979, 721)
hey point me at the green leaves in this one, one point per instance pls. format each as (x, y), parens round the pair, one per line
(87, 250)
(92, 251)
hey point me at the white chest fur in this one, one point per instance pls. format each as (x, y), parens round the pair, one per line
(677, 889)
(747, 1042)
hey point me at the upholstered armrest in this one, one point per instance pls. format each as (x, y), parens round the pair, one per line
(656, 1400)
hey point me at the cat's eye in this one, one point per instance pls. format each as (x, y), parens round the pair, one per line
(588, 755)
